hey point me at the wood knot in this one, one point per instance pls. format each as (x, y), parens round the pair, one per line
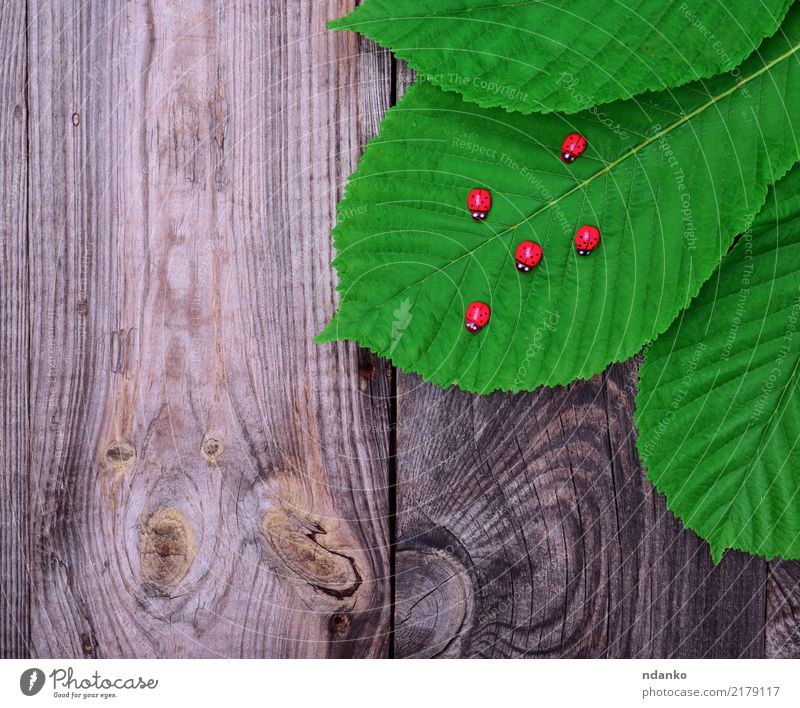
(212, 447)
(302, 549)
(367, 365)
(88, 643)
(435, 592)
(339, 622)
(76, 119)
(120, 456)
(166, 550)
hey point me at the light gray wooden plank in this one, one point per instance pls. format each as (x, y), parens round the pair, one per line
(206, 480)
(14, 441)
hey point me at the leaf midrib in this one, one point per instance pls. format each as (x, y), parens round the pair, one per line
(633, 151)
(657, 136)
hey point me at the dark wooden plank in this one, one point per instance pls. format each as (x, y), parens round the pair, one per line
(14, 591)
(205, 480)
(783, 610)
(526, 528)
(672, 601)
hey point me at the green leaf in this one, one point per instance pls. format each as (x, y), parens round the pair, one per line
(719, 405)
(668, 202)
(565, 55)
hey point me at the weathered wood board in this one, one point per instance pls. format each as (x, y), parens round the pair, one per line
(14, 332)
(186, 474)
(204, 480)
(526, 529)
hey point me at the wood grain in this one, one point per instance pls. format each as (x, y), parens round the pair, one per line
(783, 610)
(14, 325)
(526, 529)
(205, 480)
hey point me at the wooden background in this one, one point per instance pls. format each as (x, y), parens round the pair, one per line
(184, 473)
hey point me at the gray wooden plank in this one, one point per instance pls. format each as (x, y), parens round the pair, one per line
(526, 528)
(783, 610)
(205, 480)
(673, 602)
(14, 591)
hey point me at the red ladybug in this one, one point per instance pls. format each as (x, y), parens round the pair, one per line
(572, 147)
(528, 256)
(477, 316)
(479, 203)
(587, 239)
